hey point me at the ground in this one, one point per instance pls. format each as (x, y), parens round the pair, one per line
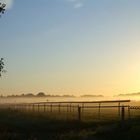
(15, 125)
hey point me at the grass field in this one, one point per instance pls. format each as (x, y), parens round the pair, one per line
(15, 125)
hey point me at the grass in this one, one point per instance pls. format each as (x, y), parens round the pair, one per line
(15, 125)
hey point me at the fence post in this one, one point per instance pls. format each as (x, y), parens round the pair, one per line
(51, 107)
(25, 107)
(119, 109)
(44, 107)
(33, 107)
(70, 107)
(83, 107)
(79, 113)
(122, 114)
(14, 107)
(38, 107)
(99, 110)
(67, 111)
(67, 108)
(129, 112)
(59, 108)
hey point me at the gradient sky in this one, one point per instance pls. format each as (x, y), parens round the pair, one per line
(71, 47)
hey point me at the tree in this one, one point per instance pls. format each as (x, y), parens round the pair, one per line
(1, 66)
(41, 94)
(2, 6)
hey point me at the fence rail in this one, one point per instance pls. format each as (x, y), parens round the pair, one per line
(77, 108)
(135, 107)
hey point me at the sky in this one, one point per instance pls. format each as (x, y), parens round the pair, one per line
(70, 47)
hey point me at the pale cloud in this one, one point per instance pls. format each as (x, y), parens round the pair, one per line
(76, 3)
(72, 0)
(9, 3)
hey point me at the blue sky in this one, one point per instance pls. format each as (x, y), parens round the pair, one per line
(71, 46)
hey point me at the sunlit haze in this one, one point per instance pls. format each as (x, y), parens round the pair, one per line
(71, 47)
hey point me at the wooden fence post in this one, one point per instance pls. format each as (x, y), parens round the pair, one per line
(99, 113)
(70, 107)
(15, 107)
(38, 107)
(83, 107)
(67, 111)
(51, 107)
(33, 107)
(129, 115)
(122, 114)
(79, 113)
(24, 107)
(59, 108)
(119, 109)
(122, 117)
(67, 108)
(44, 107)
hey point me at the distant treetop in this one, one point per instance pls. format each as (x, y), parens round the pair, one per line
(40, 94)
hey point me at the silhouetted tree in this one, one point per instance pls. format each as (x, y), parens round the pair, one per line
(1, 66)
(41, 94)
(29, 95)
(2, 8)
